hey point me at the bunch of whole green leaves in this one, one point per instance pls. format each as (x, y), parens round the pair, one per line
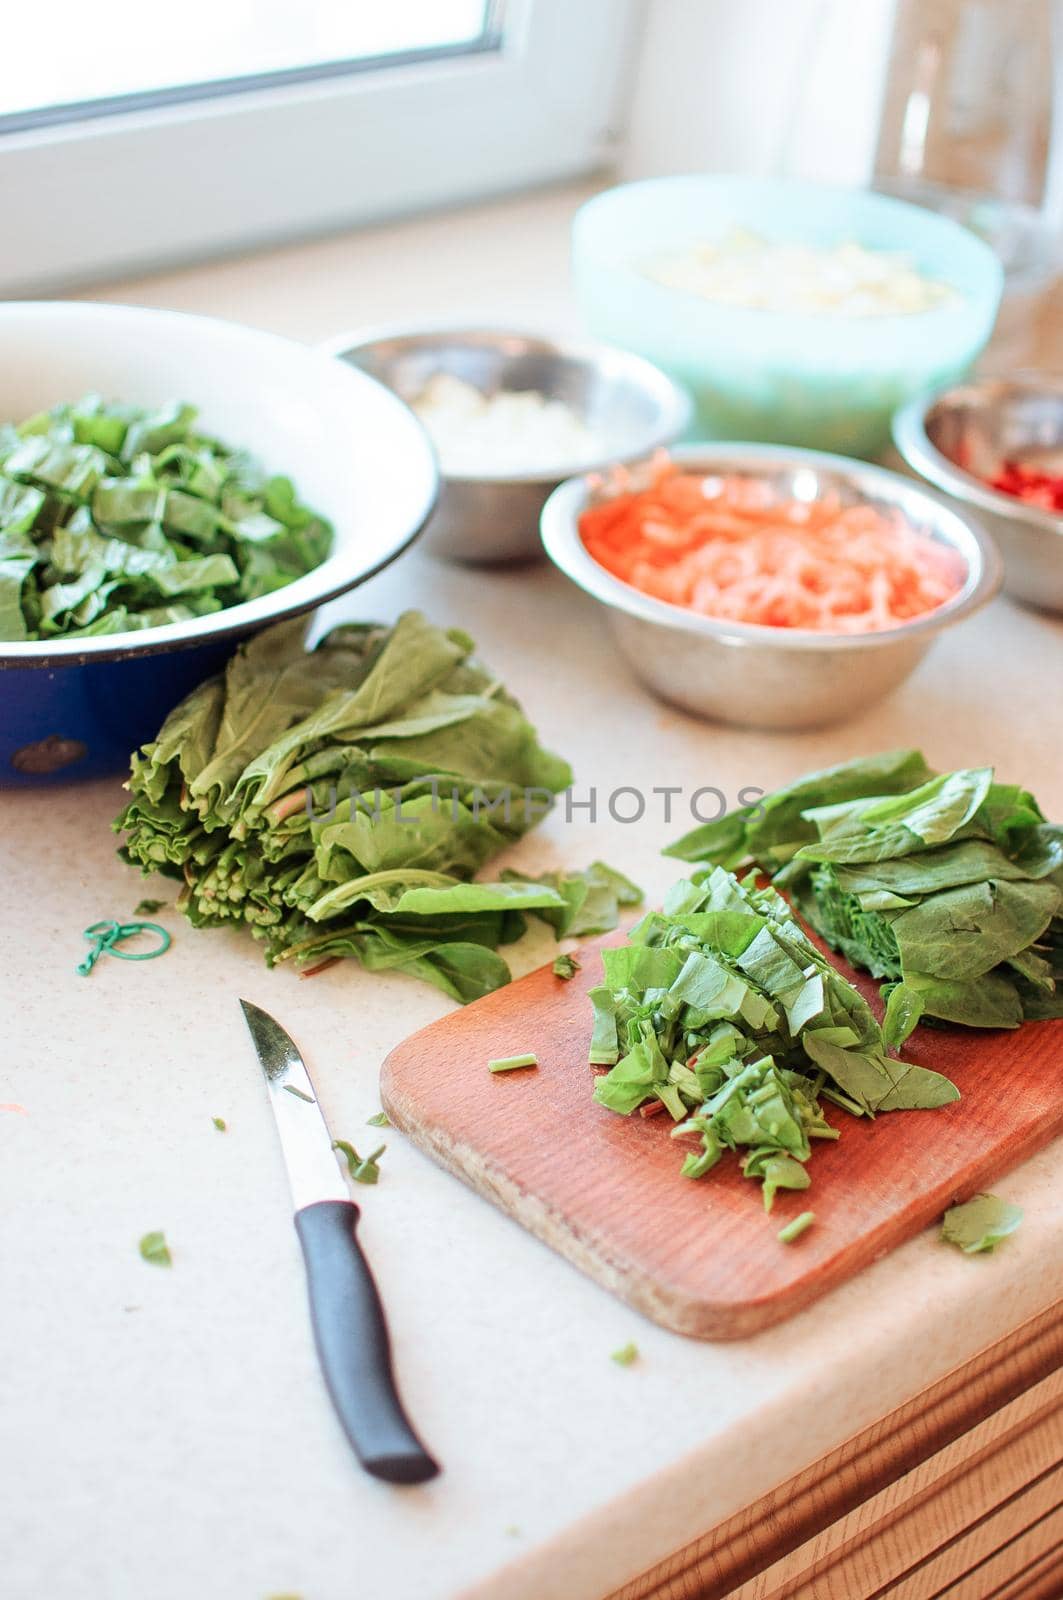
(339, 802)
(720, 1007)
(948, 886)
(114, 518)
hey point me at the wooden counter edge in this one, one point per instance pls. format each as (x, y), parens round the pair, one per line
(852, 1495)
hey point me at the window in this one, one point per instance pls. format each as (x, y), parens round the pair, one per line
(111, 62)
(141, 142)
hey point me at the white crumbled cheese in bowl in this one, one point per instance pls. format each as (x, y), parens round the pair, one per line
(513, 431)
(744, 270)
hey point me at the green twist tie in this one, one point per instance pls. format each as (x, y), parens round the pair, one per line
(106, 938)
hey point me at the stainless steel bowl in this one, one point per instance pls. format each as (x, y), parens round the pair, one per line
(762, 677)
(493, 517)
(957, 437)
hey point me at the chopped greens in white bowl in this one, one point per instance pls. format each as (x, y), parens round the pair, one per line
(324, 436)
(353, 452)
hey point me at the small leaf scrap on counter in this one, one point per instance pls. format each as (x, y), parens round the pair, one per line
(626, 1355)
(153, 1248)
(363, 1169)
(380, 1119)
(980, 1224)
(220, 1123)
(149, 908)
(565, 966)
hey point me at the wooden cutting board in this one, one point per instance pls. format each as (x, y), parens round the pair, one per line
(702, 1257)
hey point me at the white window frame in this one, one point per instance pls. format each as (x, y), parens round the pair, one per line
(141, 189)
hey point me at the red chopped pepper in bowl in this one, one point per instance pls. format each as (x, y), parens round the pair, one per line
(732, 546)
(1032, 484)
(797, 582)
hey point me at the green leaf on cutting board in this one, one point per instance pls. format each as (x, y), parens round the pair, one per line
(774, 826)
(904, 1006)
(793, 1230)
(514, 1063)
(947, 887)
(965, 932)
(721, 1009)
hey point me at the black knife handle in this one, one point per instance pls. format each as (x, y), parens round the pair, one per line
(353, 1345)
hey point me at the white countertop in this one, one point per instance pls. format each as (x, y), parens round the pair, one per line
(167, 1434)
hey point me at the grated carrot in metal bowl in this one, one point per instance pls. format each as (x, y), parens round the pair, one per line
(730, 546)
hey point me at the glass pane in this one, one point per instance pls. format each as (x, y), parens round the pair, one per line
(108, 49)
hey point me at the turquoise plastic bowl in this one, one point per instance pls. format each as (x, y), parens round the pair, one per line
(826, 382)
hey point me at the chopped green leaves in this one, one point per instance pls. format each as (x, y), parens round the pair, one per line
(148, 908)
(339, 803)
(14, 571)
(980, 1224)
(565, 966)
(604, 1050)
(379, 1120)
(948, 887)
(720, 1008)
(220, 1123)
(363, 1169)
(153, 1248)
(626, 1355)
(904, 1007)
(115, 518)
(776, 1172)
(511, 1063)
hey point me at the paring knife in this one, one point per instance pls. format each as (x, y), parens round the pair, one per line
(349, 1327)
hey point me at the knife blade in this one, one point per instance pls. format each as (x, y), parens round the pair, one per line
(348, 1319)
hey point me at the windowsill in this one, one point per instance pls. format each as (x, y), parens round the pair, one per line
(503, 261)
